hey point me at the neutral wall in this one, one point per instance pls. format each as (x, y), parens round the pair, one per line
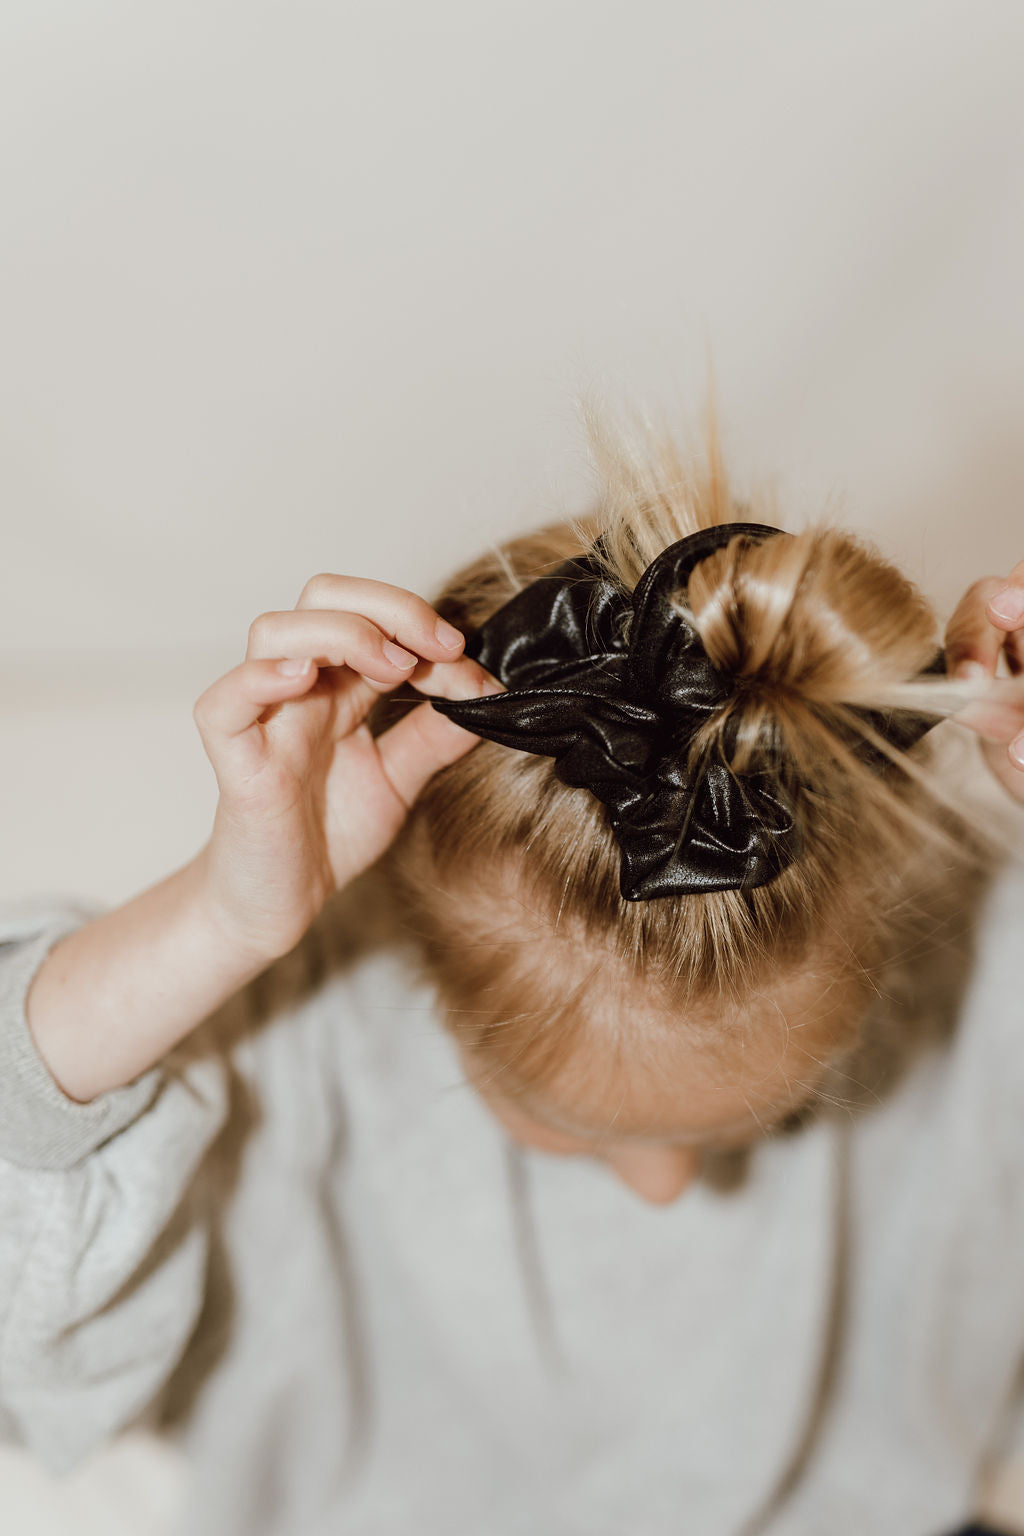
(300, 287)
(305, 287)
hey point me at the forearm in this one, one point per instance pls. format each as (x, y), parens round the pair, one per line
(115, 996)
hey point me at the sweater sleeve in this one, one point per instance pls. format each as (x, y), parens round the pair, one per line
(105, 1221)
(40, 1127)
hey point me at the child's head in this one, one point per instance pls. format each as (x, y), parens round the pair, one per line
(648, 1031)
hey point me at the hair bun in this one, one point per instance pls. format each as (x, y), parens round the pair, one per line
(810, 629)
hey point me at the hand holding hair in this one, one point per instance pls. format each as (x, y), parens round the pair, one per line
(988, 623)
(308, 798)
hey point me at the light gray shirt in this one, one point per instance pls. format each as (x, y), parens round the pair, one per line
(302, 1246)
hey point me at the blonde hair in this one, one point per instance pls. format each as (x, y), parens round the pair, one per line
(507, 879)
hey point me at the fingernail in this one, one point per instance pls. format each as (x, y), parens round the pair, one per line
(294, 666)
(1008, 604)
(490, 686)
(970, 671)
(448, 635)
(398, 656)
(1017, 751)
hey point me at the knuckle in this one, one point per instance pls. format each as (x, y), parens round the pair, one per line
(259, 627)
(316, 588)
(969, 612)
(981, 590)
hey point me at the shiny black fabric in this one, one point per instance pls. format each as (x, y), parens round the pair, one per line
(617, 712)
(979, 1530)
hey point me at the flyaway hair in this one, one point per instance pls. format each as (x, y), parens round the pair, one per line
(508, 878)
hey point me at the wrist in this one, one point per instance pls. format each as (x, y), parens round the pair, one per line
(240, 944)
(115, 996)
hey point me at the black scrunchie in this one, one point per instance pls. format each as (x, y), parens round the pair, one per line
(617, 715)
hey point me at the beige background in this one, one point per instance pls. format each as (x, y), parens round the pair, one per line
(303, 287)
(307, 287)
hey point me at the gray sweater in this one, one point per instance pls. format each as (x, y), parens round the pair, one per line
(302, 1247)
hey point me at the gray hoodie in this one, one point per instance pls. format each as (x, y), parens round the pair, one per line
(302, 1247)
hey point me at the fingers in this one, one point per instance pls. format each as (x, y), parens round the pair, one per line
(973, 642)
(402, 615)
(235, 701)
(1006, 606)
(332, 640)
(381, 631)
(1006, 611)
(989, 621)
(344, 639)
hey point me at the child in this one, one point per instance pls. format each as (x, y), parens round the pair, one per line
(689, 892)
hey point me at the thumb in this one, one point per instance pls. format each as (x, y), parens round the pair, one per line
(413, 750)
